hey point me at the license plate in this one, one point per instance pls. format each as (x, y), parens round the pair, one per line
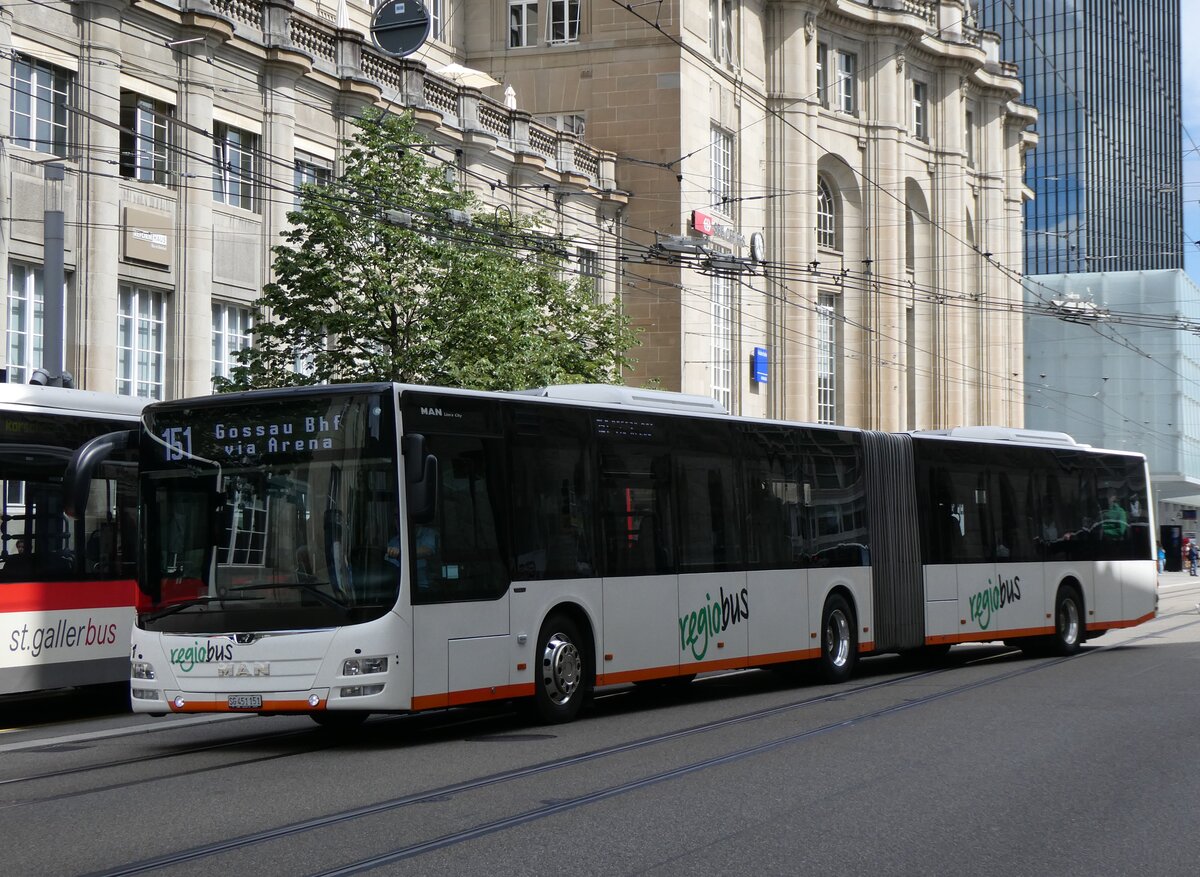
(245, 701)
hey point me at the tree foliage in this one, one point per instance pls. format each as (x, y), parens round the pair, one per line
(358, 296)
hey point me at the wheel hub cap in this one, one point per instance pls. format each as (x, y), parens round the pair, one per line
(561, 668)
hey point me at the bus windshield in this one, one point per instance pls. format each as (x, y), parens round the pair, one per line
(274, 515)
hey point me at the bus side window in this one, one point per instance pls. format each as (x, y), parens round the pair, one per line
(552, 492)
(635, 492)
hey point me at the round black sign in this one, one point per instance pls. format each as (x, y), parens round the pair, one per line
(400, 26)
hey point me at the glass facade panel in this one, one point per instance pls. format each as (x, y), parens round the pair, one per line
(1107, 172)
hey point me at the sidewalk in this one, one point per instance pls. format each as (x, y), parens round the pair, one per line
(1176, 578)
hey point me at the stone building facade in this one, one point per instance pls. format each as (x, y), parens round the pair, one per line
(871, 152)
(183, 130)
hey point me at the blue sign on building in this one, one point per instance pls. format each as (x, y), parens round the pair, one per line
(760, 369)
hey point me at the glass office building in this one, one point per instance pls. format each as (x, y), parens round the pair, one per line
(1107, 171)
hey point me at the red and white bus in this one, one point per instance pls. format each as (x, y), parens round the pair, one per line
(344, 550)
(67, 589)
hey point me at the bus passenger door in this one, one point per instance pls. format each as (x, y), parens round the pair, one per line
(641, 588)
(714, 600)
(458, 578)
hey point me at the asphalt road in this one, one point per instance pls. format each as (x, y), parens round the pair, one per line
(988, 763)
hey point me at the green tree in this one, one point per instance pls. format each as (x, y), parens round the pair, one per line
(374, 281)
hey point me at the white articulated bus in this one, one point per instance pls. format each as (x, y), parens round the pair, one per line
(67, 590)
(343, 550)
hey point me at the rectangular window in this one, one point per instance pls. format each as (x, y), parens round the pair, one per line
(310, 170)
(970, 138)
(39, 105)
(522, 23)
(920, 110)
(141, 341)
(563, 22)
(636, 517)
(823, 74)
(720, 29)
(571, 123)
(721, 187)
(709, 527)
(589, 269)
(722, 339)
(231, 325)
(847, 82)
(826, 358)
(437, 19)
(552, 493)
(234, 157)
(144, 138)
(26, 304)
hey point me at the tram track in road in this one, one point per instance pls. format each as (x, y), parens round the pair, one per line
(333, 820)
(318, 739)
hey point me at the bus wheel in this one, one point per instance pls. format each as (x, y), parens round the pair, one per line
(562, 674)
(839, 645)
(1068, 621)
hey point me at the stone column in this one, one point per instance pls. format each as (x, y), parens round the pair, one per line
(92, 315)
(6, 18)
(190, 316)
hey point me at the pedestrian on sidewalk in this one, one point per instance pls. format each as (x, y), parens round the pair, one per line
(1193, 557)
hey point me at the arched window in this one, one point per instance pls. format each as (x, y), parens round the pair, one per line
(827, 217)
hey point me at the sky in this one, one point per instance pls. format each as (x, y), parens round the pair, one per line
(1190, 26)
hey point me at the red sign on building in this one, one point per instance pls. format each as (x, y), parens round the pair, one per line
(702, 222)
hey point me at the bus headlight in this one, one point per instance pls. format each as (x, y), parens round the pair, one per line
(142, 670)
(363, 666)
(144, 693)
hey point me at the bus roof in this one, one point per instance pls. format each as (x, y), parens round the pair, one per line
(633, 397)
(36, 398)
(1004, 434)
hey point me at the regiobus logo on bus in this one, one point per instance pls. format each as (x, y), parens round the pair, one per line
(714, 617)
(993, 599)
(187, 657)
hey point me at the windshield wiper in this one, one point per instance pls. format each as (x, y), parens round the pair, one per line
(194, 601)
(306, 587)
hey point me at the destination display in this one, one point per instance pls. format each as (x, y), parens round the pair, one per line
(290, 429)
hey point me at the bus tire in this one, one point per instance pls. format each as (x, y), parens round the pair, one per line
(839, 645)
(563, 671)
(1068, 621)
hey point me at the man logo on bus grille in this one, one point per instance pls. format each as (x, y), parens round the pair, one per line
(715, 616)
(994, 599)
(254, 668)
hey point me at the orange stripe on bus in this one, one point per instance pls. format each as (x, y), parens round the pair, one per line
(626, 676)
(986, 635)
(641, 675)
(1113, 625)
(472, 695)
(500, 692)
